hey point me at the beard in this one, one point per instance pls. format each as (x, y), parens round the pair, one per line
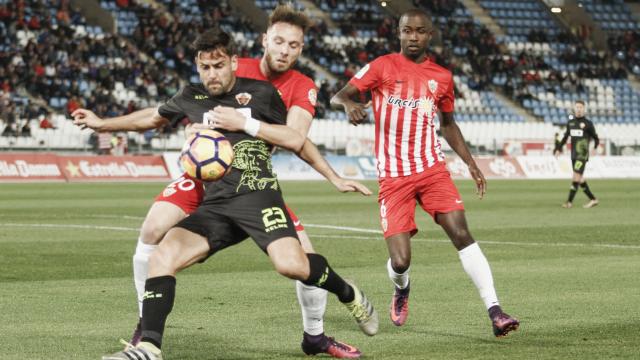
(277, 67)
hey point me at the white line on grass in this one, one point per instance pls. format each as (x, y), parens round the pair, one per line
(332, 227)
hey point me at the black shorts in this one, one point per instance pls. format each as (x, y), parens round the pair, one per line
(578, 165)
(260, 215)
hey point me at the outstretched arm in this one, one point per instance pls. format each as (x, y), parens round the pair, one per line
(451, 133)
(311, 155)
(356, 112)
(230, 119)
(140, 120)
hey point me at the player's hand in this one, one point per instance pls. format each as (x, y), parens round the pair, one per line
(344, 185)
(478, 177)
(191, 129)
(87, 119)
(227, 118)
(356, 112)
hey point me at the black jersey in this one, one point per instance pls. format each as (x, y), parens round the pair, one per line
(581, 131)
(251, 168)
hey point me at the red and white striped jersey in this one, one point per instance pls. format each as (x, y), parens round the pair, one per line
(406, 98)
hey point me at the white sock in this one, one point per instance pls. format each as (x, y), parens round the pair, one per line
(141, 268)
(477, 267)
(313, 302)
(400, 280)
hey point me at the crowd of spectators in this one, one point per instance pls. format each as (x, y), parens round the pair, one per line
(626, 48)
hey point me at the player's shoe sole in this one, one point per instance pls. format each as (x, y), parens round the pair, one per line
(591, 204)
(504, 324)
(363, 312)
(399, 306)
(331, 347)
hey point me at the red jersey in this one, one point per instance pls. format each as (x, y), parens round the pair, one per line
(406, 98)
(294, 87)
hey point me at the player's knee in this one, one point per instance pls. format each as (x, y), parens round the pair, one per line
(292, 268)
(401, 262)
(152, 232)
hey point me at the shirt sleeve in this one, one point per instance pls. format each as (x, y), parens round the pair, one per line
(369, 77)
(171, 109)
(446, 101)
(305, 95)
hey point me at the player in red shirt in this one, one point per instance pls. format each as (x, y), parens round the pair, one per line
(283, 44)
(407, 91)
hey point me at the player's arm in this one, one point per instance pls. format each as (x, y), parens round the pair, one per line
(300, 119)
(311, 155)
(140, 120)
(560, 145)
(230, 119)
(451, 133)
(592, 132)
(356, 111)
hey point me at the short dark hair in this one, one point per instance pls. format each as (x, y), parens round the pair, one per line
(215, 39)
(287, 14)
(581, 102)
(418, 12)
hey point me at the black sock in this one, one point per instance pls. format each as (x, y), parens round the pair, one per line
(159, 293)
(322, 276)
(314, 339)
(587, 191)
(494, 311)
(572, 191)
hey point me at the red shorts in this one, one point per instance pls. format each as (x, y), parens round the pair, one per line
(184, 192)
(433, 189)
(187, 194)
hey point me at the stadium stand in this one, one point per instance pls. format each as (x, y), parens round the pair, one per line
(522, 82)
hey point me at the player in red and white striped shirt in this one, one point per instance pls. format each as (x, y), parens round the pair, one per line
(407, 91)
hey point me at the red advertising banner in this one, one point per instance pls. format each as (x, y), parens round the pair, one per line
(492, 167)
(16, 167)
(108, 168)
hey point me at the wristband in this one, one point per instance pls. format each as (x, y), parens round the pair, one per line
(252, 126)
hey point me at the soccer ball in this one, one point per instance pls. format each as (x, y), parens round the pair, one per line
(207, 155)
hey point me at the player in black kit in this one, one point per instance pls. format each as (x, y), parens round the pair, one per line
(581, 131)
(246, 202)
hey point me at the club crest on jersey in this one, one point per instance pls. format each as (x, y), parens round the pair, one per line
(433, 86)
(582, 125)
(243, 98)
(313, 97)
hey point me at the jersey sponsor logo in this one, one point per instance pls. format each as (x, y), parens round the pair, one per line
(362, 71)
(313, 97)
(433, 86)
(273, 219)
(243, 98)
(200, 97)
(404, 103)
(576, 132)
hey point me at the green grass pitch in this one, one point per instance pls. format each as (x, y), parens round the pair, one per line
(570, 276)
